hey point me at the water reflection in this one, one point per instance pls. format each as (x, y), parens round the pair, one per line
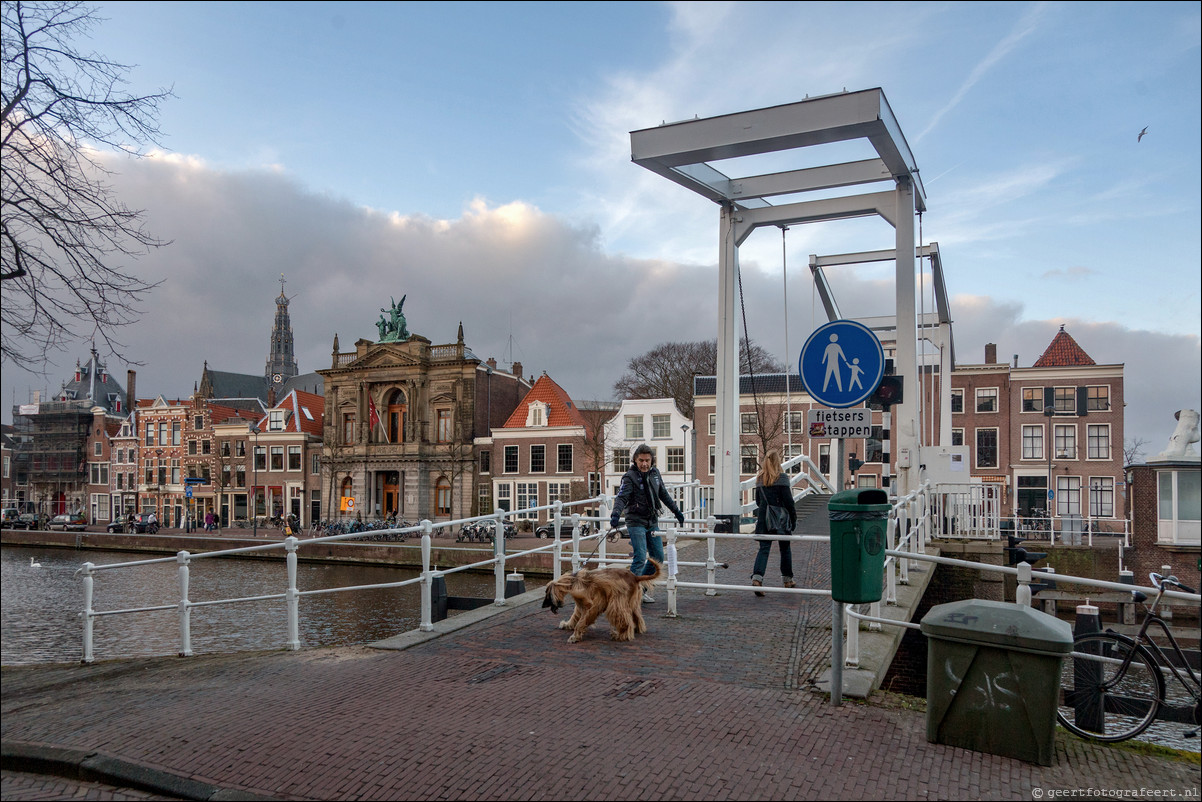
(42, 623)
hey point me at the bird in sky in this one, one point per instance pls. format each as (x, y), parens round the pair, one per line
(1141, 134)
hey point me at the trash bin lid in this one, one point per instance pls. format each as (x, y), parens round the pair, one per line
(865, 500)
(991, 623)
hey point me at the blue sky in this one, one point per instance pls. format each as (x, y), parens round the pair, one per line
(475, 157)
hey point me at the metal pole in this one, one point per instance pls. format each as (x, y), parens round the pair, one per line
(185, 610)
(836, 653)
(292, 595)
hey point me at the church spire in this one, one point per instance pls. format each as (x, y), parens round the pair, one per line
(281, 362)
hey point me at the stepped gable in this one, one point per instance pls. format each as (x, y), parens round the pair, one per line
(561, 410)
(1063, 352)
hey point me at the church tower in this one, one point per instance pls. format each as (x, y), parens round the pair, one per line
(281, 363)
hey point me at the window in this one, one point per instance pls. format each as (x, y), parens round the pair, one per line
(277, 458)
(874, 450)
(536, 414)
(120, 481)
(559, 491)
(149, 434)
(226, 475)
(162, 469)
(634, 427)
(527, 496)
(511, 460)
(986, 399)
(175, 427)
(1066, 401)
(713, 423)
(538, 459)
(563, 462)
(1180, 506)
(712, 466)
(661, 425)
(96, 448)
(260, 456)
(1097, 439)
(275, 420)
(484, 498)
(987, 455)
(192, 448)
(240, 449)
(1066, 442)
(294, 458)
(206, 447)
(100, 473)
(750, 461)
(148, 477)
(198, 422)
(504, 496)
(1101, 497)
(444, 426)
(790, 452)
(485, 462)
(1033, 442)
(398, 417)
(442, 497)
(957, 400)
(315, 464)
(1068, 495)
(957, 437)
(824, 459)
(1032, 399)
(621, 461)
(1097, 399)
(795, 422)
(240, 476)
(748, 423)
(348, 428)
(675, 460)
(175, 471)
(594, 483)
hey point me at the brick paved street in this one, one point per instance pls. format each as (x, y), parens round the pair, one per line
(711, 705)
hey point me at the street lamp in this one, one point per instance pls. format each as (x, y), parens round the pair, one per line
(1048, 412)
(160, 476)
(254, 462)
(684, 436)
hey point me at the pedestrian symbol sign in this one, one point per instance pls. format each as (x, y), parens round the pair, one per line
(841, 364)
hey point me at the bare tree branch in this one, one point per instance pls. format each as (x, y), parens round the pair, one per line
(65, 239)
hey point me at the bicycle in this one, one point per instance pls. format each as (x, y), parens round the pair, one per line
(1113, 687)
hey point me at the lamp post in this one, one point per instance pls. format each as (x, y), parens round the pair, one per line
(254, 462)
(1048, 412)
(159, 475)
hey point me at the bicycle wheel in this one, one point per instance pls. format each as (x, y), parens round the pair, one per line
(1110, 689)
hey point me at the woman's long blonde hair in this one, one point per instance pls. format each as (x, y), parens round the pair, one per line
(769, 468)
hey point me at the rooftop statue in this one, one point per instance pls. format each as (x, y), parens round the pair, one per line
(1180, 445)
(392, 328)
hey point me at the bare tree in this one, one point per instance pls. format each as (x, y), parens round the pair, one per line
(1133, 450)
(667, 370)
(66, 237)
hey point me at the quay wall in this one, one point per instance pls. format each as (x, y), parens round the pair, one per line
(443, 554)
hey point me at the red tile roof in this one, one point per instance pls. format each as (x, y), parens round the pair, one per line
(561, 409)
(1063, 352)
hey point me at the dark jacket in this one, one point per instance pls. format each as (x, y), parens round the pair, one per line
(777, 494)
(640, 495)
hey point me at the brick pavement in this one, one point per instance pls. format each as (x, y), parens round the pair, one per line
(710, 705)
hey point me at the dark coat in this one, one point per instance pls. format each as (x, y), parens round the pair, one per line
(777, 494)
(640, 496)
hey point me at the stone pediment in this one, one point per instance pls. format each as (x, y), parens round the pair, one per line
(442, 398)
(386, 356)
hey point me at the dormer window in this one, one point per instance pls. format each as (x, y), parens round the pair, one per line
(275, 420)
(537, 413)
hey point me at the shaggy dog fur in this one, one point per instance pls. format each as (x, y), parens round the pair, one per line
(613, 591)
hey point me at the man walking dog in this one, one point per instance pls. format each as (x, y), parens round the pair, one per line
(639, 497)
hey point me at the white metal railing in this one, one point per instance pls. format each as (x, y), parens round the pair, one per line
(969, 510)
(1070, 530)
(807, 472)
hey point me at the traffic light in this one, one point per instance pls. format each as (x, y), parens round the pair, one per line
(887, 393)
(853, 464)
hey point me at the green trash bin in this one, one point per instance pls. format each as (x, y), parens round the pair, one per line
(993, 677)
(858, 521)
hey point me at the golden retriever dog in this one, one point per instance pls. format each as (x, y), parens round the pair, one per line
(613, 591)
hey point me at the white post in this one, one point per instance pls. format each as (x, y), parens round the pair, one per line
(427, 606)
(853, 639)
(711, 564)
(836, 653)
(1022, 594)
(498, 551)
(727, 503)
(905, 423)
(292, 595)
(185, 612)
(669, 565)
(88, 613)
(891, 572)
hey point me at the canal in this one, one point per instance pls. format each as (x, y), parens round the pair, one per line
(41, 606)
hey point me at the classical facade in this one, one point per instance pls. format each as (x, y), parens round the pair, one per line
(401, 417)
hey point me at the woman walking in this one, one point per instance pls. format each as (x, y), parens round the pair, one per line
(775, 514)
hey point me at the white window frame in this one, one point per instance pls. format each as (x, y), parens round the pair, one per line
(1103, 430)
(633, 427)
(1032, 436)
(987, 394)
(957, 393)
(661, 426)
(997, 447)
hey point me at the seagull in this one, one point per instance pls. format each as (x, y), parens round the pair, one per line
(32, 564)
(1141, 134)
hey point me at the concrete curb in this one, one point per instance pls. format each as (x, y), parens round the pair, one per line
(93, 766)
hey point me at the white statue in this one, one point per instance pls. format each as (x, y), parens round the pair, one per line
(1180, 445)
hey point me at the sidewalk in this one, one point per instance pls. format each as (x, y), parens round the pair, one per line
(712, 705)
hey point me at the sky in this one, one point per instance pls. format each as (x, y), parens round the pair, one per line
(474, 158)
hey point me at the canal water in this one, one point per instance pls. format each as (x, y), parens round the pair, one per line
(41, 606)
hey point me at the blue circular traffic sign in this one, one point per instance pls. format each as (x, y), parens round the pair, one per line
(841, 364)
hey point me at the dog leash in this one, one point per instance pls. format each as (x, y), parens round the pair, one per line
(598, 546)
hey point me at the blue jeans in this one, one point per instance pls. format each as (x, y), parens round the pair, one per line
(761, 559)
(642, 539)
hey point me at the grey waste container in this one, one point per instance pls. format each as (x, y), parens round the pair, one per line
(993, 677)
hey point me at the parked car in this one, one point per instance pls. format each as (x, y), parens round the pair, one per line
(565, 529)
(28, 520)
(68, 522)
(9, 517)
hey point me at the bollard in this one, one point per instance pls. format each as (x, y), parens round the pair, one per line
(1087, 712)
(438, 598)
(515, 585)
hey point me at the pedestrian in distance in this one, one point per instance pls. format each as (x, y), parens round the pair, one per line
(209, 521)
(775, 514)
(639, 498)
